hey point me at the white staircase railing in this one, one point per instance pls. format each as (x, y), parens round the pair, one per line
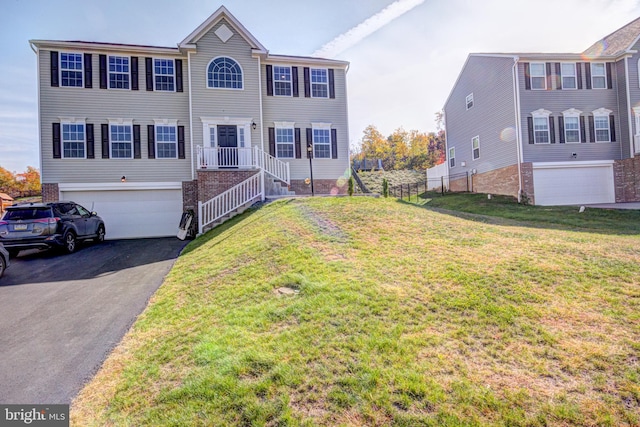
(242, 158)
(273, 166)
(247, 191)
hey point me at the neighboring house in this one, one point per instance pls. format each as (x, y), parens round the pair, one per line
(556, 128)
(142, 133)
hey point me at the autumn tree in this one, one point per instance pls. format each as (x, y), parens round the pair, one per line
(30, 180)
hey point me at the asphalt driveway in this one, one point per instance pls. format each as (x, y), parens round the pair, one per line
(60, 315)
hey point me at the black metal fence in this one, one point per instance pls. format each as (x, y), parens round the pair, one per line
(456, 183)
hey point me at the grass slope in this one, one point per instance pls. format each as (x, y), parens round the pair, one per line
(403, 316)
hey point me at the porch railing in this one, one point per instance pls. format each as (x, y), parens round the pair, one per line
(247, 191)
(247, 158)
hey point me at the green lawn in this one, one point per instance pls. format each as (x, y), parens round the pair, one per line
(401, 315)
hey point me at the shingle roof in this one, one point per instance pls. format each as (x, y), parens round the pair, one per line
(617, 42)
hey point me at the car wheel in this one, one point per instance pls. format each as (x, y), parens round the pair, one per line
(13, 252)
(70, 242)
(101, 232)
(3, 265)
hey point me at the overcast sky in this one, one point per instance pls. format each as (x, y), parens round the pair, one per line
(405, 55)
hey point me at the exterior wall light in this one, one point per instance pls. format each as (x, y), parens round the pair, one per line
(123, 179)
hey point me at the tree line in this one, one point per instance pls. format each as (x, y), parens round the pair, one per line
(402, 149)
(20, 184)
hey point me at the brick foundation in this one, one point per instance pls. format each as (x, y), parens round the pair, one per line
(502, 181)
(50, 193)
(526, 169)
(320, 186)
(459, 185)
(213, 182)
(626, 175)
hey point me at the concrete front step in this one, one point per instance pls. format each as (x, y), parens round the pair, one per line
(275, 187)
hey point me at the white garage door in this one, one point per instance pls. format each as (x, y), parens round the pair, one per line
(573, 184)
(133, 213)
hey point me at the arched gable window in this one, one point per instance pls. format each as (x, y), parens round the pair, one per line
(224, 73)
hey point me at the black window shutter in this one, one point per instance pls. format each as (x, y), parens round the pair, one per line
(179, 87)
(530, 126)
(90, 142)
(552, 129)
(334, 143)
(309, 142)
(612, 128)
(609, 76)
(54, 69)
(88, 71)
(561, 129)
(527, 77)
(558, 76)
(181, 146)
(296, 132)
(307, 83)
(579, 74)
(151, 141)
(587, 69)
(294, 81)
(134, 73)
(272, 141)
(549, 77)
(332, 86)
(269, 73)
(56, 141)
(103, 71)
(136, 142)
(148, 63)
(583, 133)
(592, 132)
(105, 140)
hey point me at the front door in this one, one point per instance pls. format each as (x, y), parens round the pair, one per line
(228, 146)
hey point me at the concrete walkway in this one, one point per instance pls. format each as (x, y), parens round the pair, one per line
(631, 205)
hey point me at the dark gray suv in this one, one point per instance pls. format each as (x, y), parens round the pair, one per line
(47, 225)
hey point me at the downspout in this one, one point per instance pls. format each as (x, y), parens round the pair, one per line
(629, 110)
(516, 99)
(193, 173)
(261, 127)
(37, 52)
(346, 102)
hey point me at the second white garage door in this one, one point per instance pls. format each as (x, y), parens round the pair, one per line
(573, 183)
(132, 213)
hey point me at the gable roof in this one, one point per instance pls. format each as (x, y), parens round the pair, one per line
(617, 42)
(207, 25)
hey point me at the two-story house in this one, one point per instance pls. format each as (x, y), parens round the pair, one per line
(554, 128)
(142, 133)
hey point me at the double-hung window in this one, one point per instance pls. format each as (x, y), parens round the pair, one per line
(321, 141)
(538, 75)
(452, 157)
(569, 80)
(119, 72)
(164, 74)
(319, 83)
(572, 132)
(541, 130)
(285, 141)
(73, 141)
(601, 125)
(121, 139)
(475, 147)
(469, 100)
(166, 142)
(281, 81)
(71, 69)
(598, 75)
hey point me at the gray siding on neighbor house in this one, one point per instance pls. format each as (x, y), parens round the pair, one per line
(557, 101)
(492, 116)
(633, 80)
(97, 106)
(304, 111)
(221, 103)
